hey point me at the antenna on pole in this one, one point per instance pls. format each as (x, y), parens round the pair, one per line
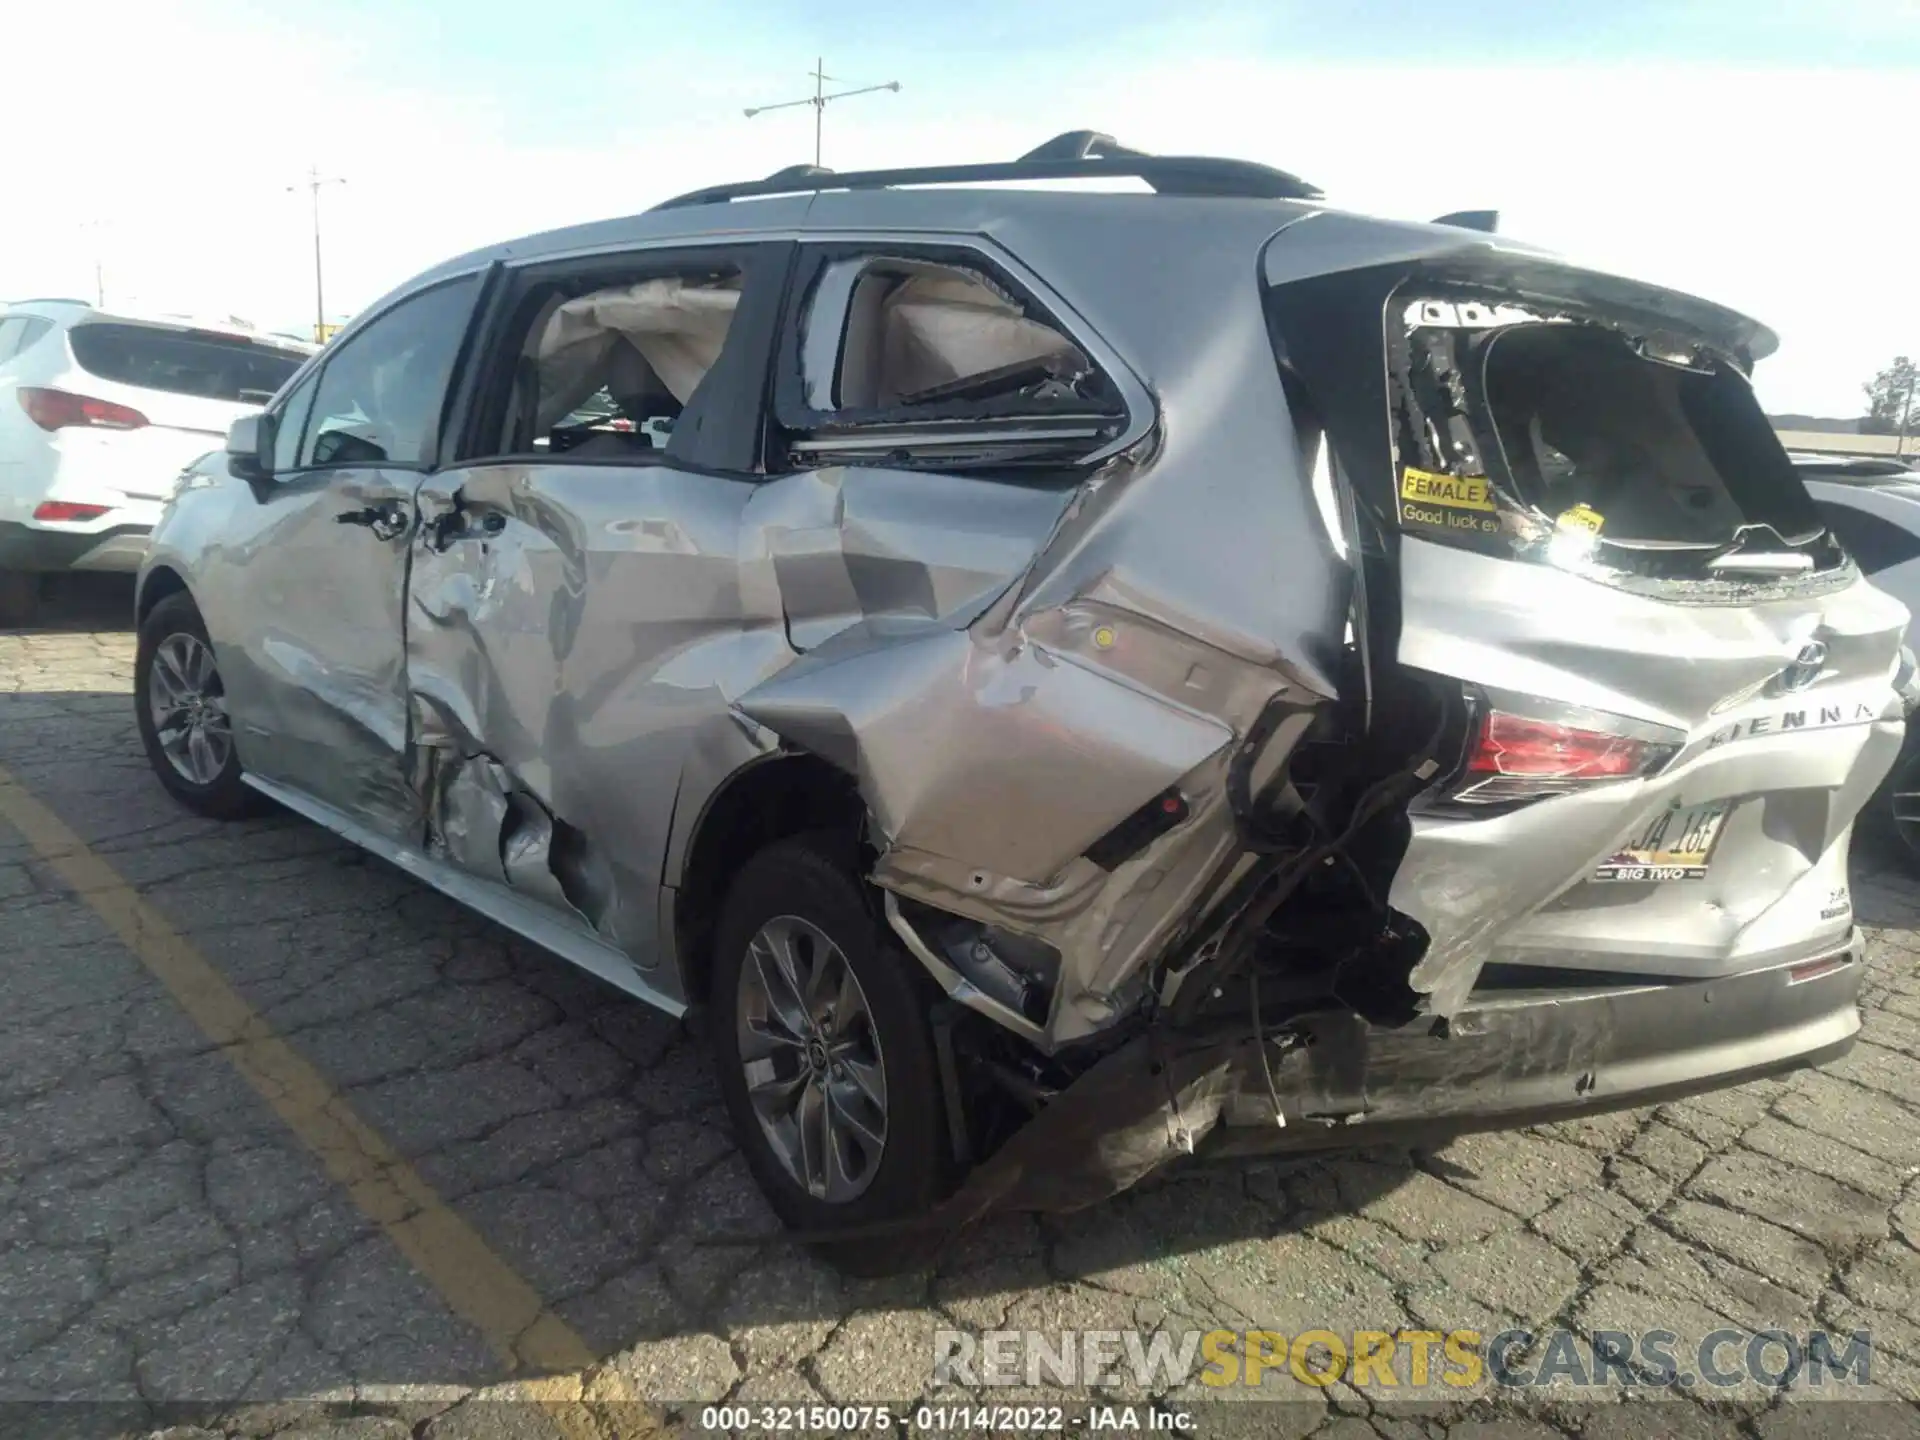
(312, 184)
(818, 100)
(93, 229)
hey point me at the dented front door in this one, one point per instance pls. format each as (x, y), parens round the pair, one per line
(320, 689)
(316, 582)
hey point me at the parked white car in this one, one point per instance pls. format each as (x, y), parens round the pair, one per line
(99, 413)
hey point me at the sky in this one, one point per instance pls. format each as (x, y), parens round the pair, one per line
(1761, 154)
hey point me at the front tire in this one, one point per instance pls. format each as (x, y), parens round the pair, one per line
(825, 1056)
(180, 705)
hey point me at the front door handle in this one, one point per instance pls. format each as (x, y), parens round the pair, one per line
(460, 523)
(388, 520)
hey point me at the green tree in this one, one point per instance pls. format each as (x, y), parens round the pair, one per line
(1891, 400)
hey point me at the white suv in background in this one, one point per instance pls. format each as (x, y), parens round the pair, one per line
(100, 412)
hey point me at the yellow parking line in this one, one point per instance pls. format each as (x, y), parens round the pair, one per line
(475, 1282)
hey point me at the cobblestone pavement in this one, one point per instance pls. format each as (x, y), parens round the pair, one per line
(163, 1236)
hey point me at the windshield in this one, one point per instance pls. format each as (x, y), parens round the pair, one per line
(183, 362)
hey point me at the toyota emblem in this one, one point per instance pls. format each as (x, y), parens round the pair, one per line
(1806, 666)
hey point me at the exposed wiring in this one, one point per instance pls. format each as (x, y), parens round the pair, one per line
(1260, 1043)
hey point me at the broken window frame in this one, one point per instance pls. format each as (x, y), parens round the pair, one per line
(1527, 532)
(947, 434)
(720, 430)
(1343, 333)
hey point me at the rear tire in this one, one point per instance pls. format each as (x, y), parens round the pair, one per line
(172, 631)
(795, 911)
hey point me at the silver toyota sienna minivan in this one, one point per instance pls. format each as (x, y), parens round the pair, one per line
(1062, 680)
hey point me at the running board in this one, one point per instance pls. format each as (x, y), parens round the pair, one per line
(569, 939)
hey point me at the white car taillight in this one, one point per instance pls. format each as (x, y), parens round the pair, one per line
(60, 409)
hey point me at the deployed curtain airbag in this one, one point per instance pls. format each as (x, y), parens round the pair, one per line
(933, 327)
(675, 326)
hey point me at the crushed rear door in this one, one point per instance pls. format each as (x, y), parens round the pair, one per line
(1672, 689)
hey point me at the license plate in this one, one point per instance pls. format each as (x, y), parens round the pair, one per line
(1676, 845)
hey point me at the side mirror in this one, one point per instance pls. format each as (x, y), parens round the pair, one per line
(250, 447)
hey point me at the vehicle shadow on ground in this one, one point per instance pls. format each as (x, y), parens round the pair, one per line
(96, 603)
(616, 1191)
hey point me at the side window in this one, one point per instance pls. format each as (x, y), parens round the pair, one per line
(30, 336)
(382, 390)
(602, 364)
(1875, 544)
(290, 424)
(896, 341)
(13, 332)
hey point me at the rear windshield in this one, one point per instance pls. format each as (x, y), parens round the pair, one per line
(1574, 440)
(184, 362)
(1654, 448)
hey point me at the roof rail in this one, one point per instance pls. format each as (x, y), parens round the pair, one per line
(46, 300)
(1076, 155)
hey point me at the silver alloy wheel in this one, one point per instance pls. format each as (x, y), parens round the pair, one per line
(812, 1059)
(189, 708)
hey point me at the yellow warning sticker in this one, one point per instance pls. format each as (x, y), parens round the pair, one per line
(1581, 517)
(1456, 492)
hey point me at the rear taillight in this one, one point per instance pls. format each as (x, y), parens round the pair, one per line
(1521, 757)
(60, 409)
(67, 510)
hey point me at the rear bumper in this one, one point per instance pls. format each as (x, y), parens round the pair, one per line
(30, 547)
(1518, 1059)
(1528, 1057)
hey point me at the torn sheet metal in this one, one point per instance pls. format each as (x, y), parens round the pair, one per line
(469, 814)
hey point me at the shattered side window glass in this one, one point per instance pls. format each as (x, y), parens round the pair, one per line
(889, 336)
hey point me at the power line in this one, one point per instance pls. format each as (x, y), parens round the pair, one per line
(313, 184)
(818, 100)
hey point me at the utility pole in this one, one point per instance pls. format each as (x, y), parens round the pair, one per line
(312, 184)
(818, 100)
(1906, 416)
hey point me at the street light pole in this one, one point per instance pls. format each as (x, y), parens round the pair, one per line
(312, 184)
(818, 100)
